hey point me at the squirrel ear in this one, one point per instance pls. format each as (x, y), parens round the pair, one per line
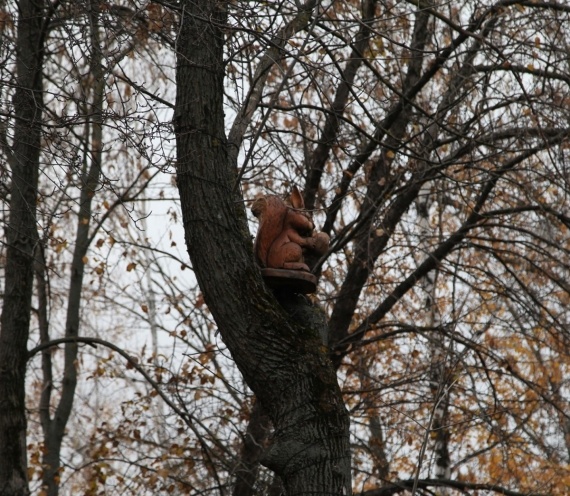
(297, 199)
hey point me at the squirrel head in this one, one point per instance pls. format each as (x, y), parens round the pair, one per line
(275, 204)
(259, 206)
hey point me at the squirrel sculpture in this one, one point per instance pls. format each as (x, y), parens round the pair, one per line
(285, 233)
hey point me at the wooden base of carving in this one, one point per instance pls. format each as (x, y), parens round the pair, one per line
(297, 281)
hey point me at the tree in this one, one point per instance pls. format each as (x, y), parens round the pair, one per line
(447, 138)
(54, 144)
(21, 238)
(283, 361)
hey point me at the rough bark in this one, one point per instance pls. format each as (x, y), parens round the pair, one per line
(21, 238)
(283, 362)
(256, 440)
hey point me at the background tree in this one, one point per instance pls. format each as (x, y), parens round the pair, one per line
(21, 238)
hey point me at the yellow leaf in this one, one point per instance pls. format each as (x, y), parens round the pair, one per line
(61, 246)
(163, 472)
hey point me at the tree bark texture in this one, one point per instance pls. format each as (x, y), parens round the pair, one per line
(21, 238)
(284, 362)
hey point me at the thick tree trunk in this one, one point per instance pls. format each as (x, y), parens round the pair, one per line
(282, 361)
(21, 238)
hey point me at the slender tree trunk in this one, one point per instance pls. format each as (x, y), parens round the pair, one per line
(438, 382)
(283, 362)
(21, 238)
(54, 428)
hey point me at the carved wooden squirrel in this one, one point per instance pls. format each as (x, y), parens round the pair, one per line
(285, 232)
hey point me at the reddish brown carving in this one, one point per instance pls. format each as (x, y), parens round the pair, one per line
(285, 233)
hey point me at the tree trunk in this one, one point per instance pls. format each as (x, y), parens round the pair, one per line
(21, 238)
(54, 428)
(437, 346)
(283, 361)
